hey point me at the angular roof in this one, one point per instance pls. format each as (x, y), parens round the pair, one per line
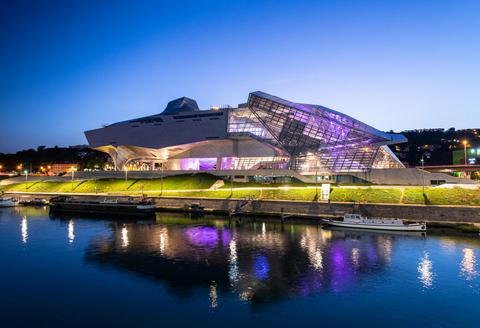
(319, 113)
(179, 105)
(340, 142)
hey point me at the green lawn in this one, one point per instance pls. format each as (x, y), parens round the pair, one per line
(442, 196)
(366, 195)
(172, 185)
(454, 196)
(294, 183)
(186, 181)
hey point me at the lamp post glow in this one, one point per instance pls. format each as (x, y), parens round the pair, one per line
(26, 175)
(73, 169)
(43, 170)
(465, 150)
(423, 175)
(161, 179)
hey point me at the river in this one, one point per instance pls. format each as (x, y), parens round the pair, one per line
(85, 271)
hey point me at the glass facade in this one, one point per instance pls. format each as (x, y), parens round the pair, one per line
(316, 139)
(265, 133)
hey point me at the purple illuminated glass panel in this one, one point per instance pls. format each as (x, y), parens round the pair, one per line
(341, 143)
(189, 164)
(207, 164)
(227, 163)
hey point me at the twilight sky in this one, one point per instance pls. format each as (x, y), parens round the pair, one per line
(69, 66)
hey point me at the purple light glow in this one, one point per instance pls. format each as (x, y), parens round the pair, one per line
(202, 236)
(342, 272)
(226, 237)
(207, 163)
(227, 163)
(189, 164)
(198, 164)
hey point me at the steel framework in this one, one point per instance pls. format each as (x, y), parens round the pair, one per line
(315, 137)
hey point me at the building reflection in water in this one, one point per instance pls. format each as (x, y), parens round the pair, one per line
(467, 266)
(163, 240)
(355, 257)
(213, 295)
(425, 273)
(448, 244)
(71, 232)
(232, 260)
(124, 237)
(24, 229)
(260, 262)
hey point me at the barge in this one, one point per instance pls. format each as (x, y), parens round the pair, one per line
(117, 206)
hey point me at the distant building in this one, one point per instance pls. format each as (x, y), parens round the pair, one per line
(59, 168)
(473, 156)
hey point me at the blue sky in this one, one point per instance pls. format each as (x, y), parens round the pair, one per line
(69, 66)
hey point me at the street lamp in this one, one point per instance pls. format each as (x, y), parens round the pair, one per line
(73, 169)
(465, 150)
(161, 178)
(423, 175)
(26, 175)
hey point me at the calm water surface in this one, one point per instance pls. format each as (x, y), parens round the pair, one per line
(80, 271)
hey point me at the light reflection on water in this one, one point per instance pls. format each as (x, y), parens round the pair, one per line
(24, 229)
(124, 237)
(468, 265)
(425, 271)
(266, 263)
(71, 231)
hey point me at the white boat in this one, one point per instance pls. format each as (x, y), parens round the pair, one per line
(358, 221)
(8, 202)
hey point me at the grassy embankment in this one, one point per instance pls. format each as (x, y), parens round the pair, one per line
(172, 186)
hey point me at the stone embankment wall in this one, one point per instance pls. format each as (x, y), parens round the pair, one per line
(464, 214)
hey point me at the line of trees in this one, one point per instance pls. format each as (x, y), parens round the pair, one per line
(33, 159)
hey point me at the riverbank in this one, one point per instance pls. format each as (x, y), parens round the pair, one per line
(206, 187)
(465, 218)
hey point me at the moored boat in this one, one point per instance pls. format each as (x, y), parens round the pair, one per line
(8, 202)
(120, 206)
(358, 221)
(35, 202)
